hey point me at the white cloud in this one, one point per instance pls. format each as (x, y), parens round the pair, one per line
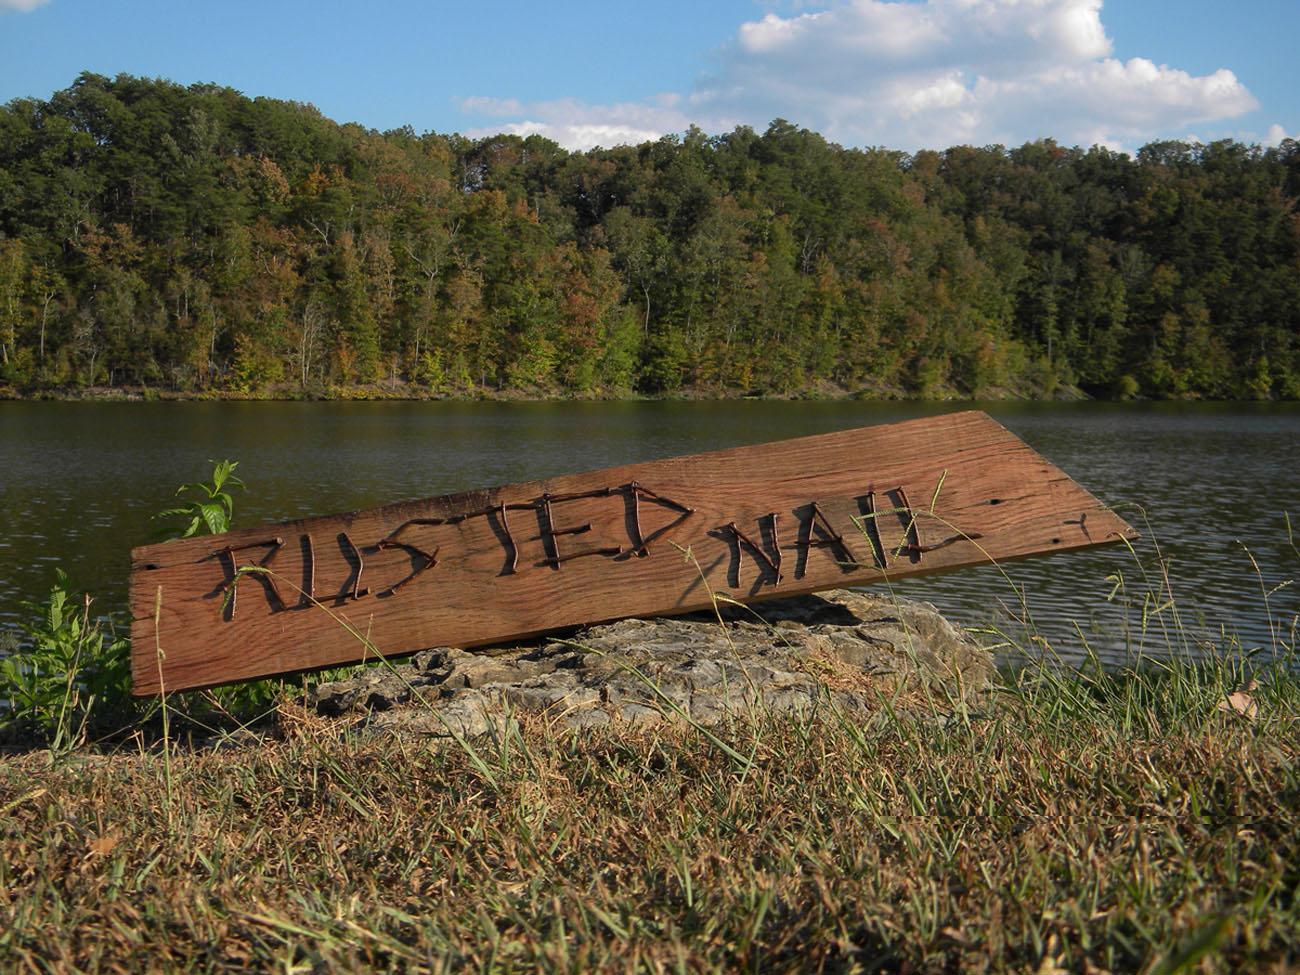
(1276, 134)
(22, 6)
(908, 75)
(577, 125)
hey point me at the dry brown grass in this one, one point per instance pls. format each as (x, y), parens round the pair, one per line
(1087, 824)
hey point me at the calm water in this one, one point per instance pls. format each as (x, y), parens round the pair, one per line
(78, 482)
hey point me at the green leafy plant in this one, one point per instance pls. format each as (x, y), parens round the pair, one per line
(72, 671)
(212, 506)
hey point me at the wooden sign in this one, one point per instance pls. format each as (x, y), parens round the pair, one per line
(657, 538)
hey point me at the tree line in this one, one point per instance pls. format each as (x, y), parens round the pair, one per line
(194, 239)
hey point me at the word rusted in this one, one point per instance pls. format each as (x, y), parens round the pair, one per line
(815, 531)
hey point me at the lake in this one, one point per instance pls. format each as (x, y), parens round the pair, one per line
(79, 481)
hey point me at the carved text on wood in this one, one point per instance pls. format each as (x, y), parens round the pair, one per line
(661, 537)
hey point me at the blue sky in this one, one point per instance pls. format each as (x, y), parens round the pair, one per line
(900, 73)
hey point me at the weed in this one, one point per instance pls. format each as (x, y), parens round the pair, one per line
(212, 506)
(73, 672)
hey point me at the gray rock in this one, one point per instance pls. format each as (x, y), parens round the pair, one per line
(467, 715)
(838, 648)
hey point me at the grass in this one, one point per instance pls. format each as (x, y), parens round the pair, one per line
(1075, 824)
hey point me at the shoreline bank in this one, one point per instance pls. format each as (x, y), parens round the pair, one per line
(408, 392)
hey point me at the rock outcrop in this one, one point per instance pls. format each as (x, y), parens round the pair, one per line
(838, 648)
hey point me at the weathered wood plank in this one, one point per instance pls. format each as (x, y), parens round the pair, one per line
(487, 566)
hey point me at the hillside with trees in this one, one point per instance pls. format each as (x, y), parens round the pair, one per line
(194, 240)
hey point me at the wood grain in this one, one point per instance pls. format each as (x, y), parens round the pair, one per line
(947, 492)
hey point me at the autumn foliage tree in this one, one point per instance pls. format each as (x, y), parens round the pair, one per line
(190, 238)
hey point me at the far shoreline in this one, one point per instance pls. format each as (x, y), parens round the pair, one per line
(411, 393)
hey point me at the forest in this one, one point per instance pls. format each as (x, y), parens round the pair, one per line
(190, 240)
